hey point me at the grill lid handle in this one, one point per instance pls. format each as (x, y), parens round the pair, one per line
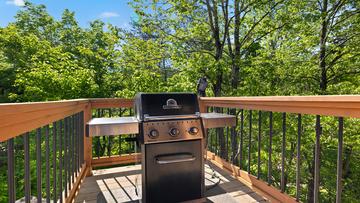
(171, 104)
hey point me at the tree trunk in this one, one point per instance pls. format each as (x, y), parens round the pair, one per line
(212, 10)
(310, 183)
(322, 54)
(236, 56)
(292, 151)
(346, 165)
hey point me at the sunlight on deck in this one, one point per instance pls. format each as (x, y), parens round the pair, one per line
(118, 185)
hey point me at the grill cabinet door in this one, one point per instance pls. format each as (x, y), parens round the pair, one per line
(173, 171)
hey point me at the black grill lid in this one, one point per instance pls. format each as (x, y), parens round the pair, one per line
(165, 104)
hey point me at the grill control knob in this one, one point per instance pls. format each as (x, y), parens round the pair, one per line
(174, 132)
(153, 134)
(193, 130)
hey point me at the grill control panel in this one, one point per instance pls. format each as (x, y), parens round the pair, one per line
(172, 130)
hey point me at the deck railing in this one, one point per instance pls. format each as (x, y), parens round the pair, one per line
(51, 137)
(290, 120)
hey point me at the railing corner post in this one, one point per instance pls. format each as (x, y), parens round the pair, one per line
(87, 140)
(202, 106)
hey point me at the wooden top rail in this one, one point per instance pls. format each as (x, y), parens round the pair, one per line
(340, 105)
(111, 103)
(18, 118)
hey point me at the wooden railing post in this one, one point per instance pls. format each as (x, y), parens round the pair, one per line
(202, 106)
(87, 140)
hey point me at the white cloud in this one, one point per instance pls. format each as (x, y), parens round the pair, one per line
(16, 2)
(109, 15)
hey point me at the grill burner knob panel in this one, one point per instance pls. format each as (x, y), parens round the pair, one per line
(174, 132)
(193, 130)
(153, 134)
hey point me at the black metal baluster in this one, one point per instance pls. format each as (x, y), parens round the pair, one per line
(132, 144)
(317, 159)
(259, 147)
(82, 137)
(227, 144)
(78, 143)
(97, 149)
(222, 138)
(109, 138)
(27, 167)
(72, 149)
(339, 161)
(211, 131)
(11, 170)
(208, 140)
(74, 144)
(213, 134)
(233, 139)
(241, 138)
(249, 153)
(109, 146)
(227, 140)
(61, 161)
(283, 155)
(69, 155)
(47, 163)
(120, 140)
(66, 154)
(54, 160)
(103, 138)
(38, 165)
(298, 159)
(270, 147)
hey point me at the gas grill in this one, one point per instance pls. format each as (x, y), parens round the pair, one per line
(171, 138)
(171, 133)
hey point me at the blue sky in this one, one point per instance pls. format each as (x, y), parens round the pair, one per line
(116, 12)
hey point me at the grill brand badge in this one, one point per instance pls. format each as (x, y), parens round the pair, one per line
(171, 104)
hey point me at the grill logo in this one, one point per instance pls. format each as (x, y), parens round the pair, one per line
(171, 104)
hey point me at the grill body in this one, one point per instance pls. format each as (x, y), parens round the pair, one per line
(171, 137)
(172, 171)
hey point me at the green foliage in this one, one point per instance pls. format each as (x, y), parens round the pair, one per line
(171, 44)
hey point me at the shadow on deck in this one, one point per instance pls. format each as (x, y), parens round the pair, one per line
(118, 185)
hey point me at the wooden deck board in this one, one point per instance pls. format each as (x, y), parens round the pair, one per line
(118, 185)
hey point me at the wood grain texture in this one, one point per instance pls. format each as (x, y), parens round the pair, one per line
(259, 186)
(20, 118)
(98, 103)
(118, 184)
(115, 160)
(342, 105)
(87, 140)
(77, 183)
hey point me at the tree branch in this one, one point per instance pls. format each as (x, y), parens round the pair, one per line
(257, 23)
(265, 34)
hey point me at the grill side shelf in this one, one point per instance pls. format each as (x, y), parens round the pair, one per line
(112, 126)
(217, 120)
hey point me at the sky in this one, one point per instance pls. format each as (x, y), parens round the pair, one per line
(116, 12)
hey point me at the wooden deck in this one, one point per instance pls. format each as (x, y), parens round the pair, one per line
(118, 185)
